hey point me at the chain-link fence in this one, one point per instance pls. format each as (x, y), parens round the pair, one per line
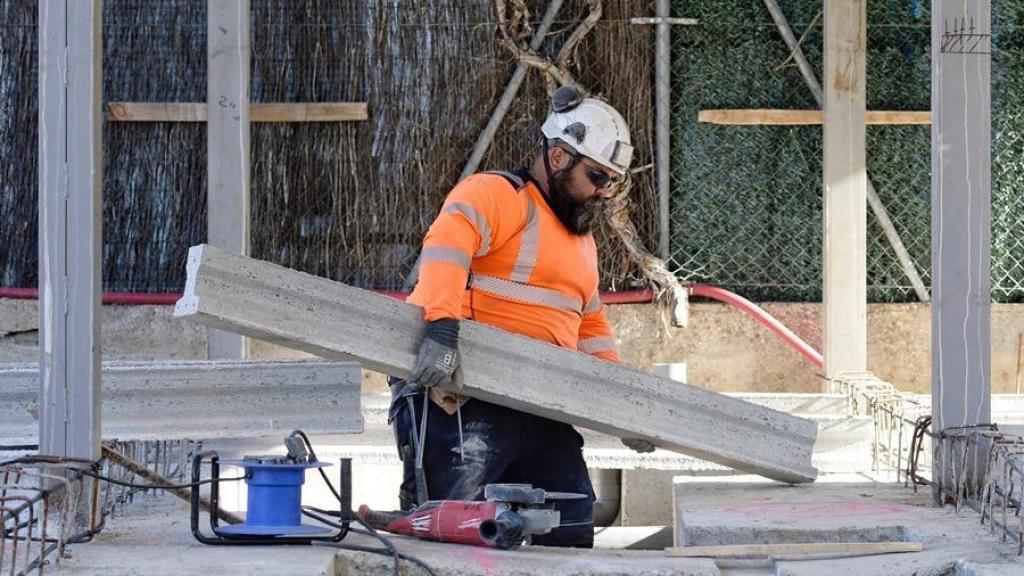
(747, 200)
(350, 201)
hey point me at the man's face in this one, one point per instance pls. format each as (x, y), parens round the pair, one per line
(579, 192)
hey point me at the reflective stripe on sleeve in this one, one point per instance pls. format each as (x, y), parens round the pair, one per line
(597, 344)
(445, 254)
(482, 226)
(594, 305)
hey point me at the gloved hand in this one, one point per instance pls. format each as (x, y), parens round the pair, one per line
(639, 445)
(438, 356)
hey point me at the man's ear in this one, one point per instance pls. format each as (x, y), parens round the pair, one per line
(559, 158)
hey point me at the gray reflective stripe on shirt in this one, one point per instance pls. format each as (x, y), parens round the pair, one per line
(525, 293)
(594, 305)
(528, 249)
(597, 344)
(482, 226)
(512, 177)
(444, 254)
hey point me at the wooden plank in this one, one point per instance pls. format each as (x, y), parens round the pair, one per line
(276, 112)
(844, 269)
(310, 112)
(775, 117)
(813, 548)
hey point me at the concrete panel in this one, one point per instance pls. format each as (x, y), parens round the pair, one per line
(202, 400)
(228, 52)
(340, 322)
(844, 269)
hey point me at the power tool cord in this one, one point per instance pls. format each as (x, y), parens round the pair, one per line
(314, 513)
(389, 547)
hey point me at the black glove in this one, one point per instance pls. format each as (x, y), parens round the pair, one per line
(439, 355)
(639, 445)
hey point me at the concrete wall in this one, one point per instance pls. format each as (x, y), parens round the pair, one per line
(724, 350)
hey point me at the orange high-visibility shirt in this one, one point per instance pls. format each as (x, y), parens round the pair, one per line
(525, 272)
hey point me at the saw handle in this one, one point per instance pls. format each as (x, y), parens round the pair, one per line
(379, 520)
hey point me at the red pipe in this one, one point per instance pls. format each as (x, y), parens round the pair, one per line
(140, 298)
(767, 320)
(611, 298)
(131, 298)
(630, 297)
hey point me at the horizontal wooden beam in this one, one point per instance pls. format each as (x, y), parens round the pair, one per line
(277, 112)
(770, 117)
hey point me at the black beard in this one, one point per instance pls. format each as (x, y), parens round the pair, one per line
(576, 215)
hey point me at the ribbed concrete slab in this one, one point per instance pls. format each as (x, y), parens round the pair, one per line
(201, 399)
(339, 322)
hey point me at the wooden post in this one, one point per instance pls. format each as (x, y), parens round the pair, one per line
(845, 222)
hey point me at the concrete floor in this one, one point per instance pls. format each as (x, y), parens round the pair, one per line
(153, 537)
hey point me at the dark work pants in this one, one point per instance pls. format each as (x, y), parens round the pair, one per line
(499, 445)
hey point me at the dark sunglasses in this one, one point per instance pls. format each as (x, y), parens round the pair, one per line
(601, 179)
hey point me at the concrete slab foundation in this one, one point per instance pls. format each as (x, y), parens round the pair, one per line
(845, 509)
(153, 538)
(340, 322)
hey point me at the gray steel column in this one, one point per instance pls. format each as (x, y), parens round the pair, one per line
(663, 109)
(70, 226)
(961, 223)
(227, 142)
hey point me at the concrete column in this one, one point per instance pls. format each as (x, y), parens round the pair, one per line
(961, 221)
(227, 141)
(70, 226)
(845, 218)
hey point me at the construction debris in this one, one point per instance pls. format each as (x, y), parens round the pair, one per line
(336, 321)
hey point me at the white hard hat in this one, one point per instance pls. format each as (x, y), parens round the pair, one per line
(591, 128)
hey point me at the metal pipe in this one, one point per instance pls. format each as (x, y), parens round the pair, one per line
(483, 142)
(662, 135)
(877, 208)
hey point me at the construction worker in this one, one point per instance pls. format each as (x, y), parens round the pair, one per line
(513, 250)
